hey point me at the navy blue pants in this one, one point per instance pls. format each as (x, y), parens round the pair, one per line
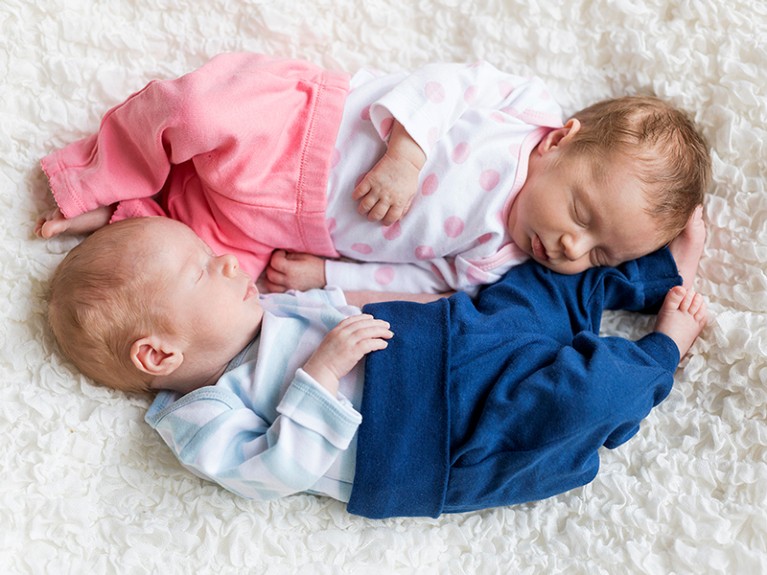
(508, 397)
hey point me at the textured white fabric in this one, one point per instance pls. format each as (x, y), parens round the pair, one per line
(87, 487)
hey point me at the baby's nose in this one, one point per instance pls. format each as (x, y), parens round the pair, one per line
(575, 246)
(229, 264)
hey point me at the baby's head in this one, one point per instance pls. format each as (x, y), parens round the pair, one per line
(144, 304)
(669, 154)
(618, 181)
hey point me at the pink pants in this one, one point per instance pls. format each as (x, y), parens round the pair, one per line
(239, 150)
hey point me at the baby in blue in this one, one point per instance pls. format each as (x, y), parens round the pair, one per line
(401, 408)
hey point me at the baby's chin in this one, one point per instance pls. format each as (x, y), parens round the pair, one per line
(566, 269)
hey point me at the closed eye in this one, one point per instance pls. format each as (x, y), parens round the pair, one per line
(600, 258)
(579, 215)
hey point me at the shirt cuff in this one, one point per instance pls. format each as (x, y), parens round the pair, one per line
(309, 404)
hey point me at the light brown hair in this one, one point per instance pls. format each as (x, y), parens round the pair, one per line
(672, 155)
(99, 304)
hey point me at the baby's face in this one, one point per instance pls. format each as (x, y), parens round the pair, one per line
(210, 300)
(572, 214)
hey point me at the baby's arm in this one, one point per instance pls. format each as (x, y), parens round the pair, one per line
(388, 189)
(344, 346)
(459, 273)
(304, 271)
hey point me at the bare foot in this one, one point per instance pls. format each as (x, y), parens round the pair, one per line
(687, 247)
(682, 317)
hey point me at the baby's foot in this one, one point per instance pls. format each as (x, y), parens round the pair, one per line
(687, 247)
(682, 317)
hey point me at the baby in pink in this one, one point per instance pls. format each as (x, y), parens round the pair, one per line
(433, 181)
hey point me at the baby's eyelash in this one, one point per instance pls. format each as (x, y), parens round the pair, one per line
(578, 216)
(599, 258)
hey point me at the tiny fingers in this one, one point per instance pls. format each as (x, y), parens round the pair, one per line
(364, 327)
(278, 261)
(378, 211)
(275, 276)
(361, 320)
(370, 202)
(361, 190)
(393, 216)
(275, 279)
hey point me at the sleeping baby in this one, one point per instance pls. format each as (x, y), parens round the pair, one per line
(415, 408)
(429, 182)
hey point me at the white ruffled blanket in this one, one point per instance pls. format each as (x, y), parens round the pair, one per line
(87, 487)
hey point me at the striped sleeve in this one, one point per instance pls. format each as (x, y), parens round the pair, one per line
(217, 437)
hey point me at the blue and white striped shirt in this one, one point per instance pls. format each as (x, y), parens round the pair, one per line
(266, 429)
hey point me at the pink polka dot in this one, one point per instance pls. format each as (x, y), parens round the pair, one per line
(498, 117)
(330, 224)
(477, 277)
(489, 179)
(424, 253)
(384, 275)
(362, 248)
(365, 114)
(392, 232)
(461, 152)
(435, 92)
(453, 226)
(470, 94)
(386, 125)
(430, 184)
(484, 238)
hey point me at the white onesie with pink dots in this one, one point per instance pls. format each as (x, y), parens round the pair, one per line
(477, 126)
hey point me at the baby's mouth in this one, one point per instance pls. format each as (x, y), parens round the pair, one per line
(539, 250)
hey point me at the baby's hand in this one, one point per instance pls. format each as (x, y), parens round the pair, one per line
(53, 222)
(288, 270)
(387, 191)
(344, 346)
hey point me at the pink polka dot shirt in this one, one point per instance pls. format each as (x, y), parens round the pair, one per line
(477, 126)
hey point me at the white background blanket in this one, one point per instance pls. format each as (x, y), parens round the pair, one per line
(87, 487)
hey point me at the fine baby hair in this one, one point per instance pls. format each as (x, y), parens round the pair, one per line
(662, 140)
(99, 302)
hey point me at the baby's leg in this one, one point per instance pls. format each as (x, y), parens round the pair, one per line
(682, 317)
(687, 247)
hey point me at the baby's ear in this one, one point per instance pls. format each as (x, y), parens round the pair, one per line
(156, 355)
(560, 136)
